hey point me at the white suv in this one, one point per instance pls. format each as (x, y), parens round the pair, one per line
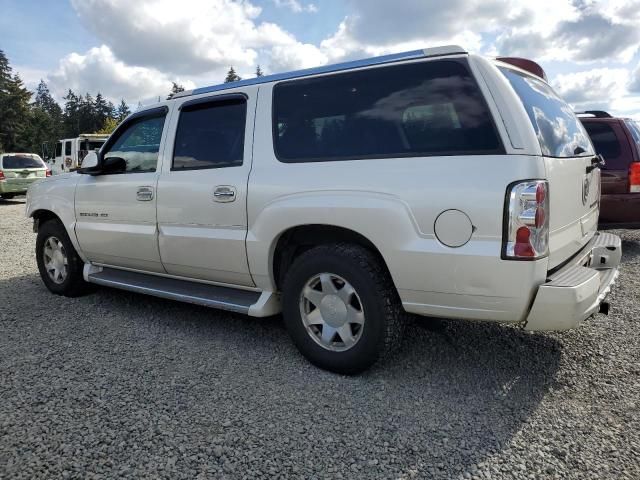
(432, 182)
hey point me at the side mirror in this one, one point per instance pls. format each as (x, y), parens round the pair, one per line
(90, 160)
(113, 165)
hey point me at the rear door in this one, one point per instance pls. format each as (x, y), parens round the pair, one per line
(610, 141)
(202, 192)
(568, 153)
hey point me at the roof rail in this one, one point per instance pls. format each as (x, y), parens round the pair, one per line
(338, 67)
(596, 113)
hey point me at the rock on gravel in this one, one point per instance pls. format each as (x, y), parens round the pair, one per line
(117, 385)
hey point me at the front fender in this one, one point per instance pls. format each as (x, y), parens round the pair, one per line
(56, 195)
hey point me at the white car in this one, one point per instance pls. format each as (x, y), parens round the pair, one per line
(433, 182)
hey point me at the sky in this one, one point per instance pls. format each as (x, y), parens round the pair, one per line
(135, 49)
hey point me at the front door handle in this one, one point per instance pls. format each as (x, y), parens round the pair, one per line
(144, 194)
(224, 193)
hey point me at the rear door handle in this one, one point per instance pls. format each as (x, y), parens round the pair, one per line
(224, 193)
(144, 194)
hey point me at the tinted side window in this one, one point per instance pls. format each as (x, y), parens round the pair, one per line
(559, 131)
(139, 144)
(58, 149)
(411, 110)
(635, 130)
(67, 148)
(605, 142)
(210, 135)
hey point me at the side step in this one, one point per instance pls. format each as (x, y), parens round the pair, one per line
(225, 298)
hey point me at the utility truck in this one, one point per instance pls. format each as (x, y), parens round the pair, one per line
(67, 155)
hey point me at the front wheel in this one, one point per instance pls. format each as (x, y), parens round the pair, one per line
(341, 308)
(58, 262)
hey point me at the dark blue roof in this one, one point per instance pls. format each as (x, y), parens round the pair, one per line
(396, 57)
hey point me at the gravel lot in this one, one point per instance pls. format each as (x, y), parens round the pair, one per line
(118, 385)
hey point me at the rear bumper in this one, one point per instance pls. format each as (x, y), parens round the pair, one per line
(6, 187)
(576, 291)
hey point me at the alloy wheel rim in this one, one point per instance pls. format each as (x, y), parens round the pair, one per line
(332, 312)
(55, 260)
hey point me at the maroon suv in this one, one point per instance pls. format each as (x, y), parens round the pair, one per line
(618, 141)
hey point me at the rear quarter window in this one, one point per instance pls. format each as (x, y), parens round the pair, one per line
(559, 131)
(410, 110)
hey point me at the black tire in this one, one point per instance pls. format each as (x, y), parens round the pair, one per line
(384, 316)
(73, 285)
(7, 196)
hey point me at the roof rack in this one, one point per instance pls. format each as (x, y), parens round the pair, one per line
(396, 57)
(596, 113)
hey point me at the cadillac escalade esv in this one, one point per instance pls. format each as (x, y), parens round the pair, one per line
(432, 182)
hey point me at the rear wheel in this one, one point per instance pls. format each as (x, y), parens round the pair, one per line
(58, 262)
(341, 308)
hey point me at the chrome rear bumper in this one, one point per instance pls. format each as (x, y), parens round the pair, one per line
(576, 291)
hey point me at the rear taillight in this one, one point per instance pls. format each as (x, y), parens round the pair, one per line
(1, 175)
(526, 229)
(634, 177)
(48, 174)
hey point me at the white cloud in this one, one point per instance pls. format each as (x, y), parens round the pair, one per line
(98, 70)
(149, 43)
(634, 83)
(600, 88)
(195, 37)
(296, 6)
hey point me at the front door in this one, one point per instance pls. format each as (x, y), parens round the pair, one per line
(116, 213)
(202, 216)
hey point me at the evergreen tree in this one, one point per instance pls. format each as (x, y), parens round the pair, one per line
(14, 115)
(71, 115)
(232, 76)
(259, 72)
(45, 125)
(14, 108)
(122, 111)
(100, 112)
(176, 88)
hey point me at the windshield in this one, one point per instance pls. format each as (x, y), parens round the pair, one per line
(21, 161)
(559, 131)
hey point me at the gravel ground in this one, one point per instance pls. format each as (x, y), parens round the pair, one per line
(118, 385)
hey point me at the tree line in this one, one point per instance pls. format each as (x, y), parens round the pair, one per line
(30, 119)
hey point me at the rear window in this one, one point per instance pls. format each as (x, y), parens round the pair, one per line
(605, 141)
(559, 131)
(21, 161)
(412, 110)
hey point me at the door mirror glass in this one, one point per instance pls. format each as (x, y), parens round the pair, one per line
(90, 161)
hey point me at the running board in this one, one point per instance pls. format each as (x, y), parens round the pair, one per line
(257, 304)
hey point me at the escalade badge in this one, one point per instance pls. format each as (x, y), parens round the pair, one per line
(586, 186)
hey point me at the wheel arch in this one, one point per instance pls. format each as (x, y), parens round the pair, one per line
(295, 240)
(41, 216)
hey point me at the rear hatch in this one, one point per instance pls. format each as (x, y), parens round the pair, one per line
(569, 157)
(22, 170)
